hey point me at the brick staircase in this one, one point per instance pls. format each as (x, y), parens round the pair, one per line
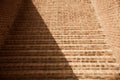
(34, 51)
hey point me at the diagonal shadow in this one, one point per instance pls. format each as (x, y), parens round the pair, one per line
(41, 41)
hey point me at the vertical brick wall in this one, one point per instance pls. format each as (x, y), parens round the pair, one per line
(108, 13)
(8, 10)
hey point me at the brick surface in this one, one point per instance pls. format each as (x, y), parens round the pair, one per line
(8, 12)
(57, 40)
(108, 14)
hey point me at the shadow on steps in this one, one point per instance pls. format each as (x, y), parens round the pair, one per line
(33, 61)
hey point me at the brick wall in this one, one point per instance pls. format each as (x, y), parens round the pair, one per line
(8, 10)
(108, 14)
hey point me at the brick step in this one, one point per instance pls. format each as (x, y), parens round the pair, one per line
(36, 66)
(55, 47)
(72, 64)
(47, 53)
(52, 72)
(57, 59)
(61, 76)
(59, 41)
(34, 77)
(23, 28)
(44, 37)
(39, 74)
(57, 32)
(9, 77)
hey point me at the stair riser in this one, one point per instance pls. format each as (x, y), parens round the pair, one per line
(23, 28)
(55, 47)
(30, 42)
(37, 53)
(53, 67)
(55, 59)
(31, 37)
(57, 32)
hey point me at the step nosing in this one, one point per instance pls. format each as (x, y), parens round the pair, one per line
(63, 45)
(57, 56)
(57, 34)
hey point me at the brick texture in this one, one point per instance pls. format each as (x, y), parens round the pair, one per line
(8, 11)
(57, 40)
(108, 14)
